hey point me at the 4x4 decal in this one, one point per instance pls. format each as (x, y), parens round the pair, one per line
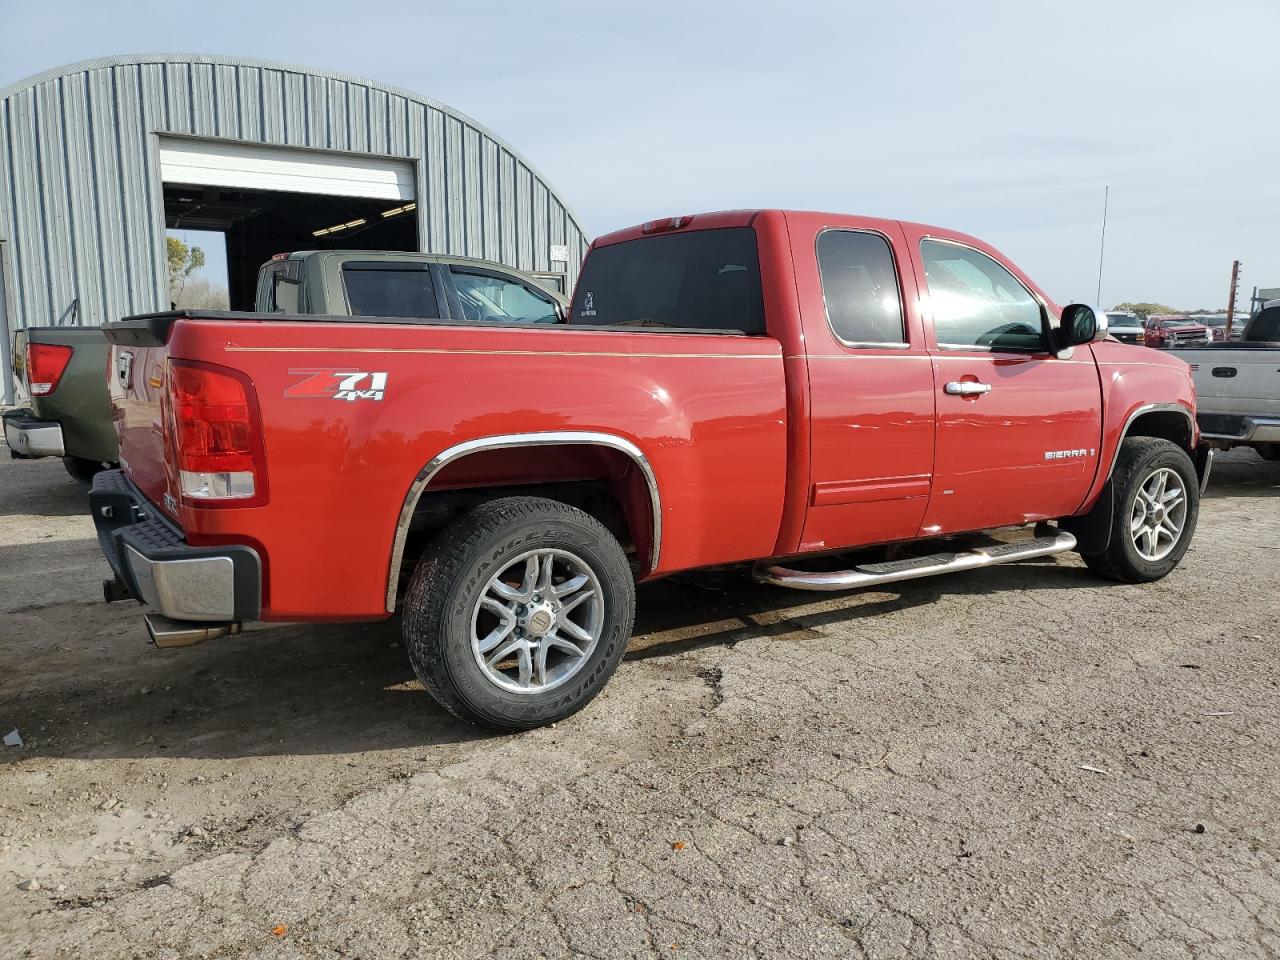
(341, 384)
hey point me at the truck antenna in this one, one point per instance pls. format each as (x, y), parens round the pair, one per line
(1102, 247)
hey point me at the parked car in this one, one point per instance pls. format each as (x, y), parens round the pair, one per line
(1171, 330)
(70, 414)
(1125, 327)
(1238, 384)
(730, 388)
(63, 371)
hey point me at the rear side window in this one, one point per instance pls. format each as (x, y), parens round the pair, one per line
(390, 290)
(977, 302)
(1265, 327)
(488, 297)
(701, 280)
(860, 287)
(266, 299)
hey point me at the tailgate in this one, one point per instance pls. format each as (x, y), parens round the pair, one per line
(136, 384)
(1241, 381)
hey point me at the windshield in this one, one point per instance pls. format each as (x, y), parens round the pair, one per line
(1122, 320)
(1179, 323)
(703, 279)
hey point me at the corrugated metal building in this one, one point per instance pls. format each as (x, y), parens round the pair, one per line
(97, 159)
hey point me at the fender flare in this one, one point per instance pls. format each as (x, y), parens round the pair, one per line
(508, 441)
(1092, 530)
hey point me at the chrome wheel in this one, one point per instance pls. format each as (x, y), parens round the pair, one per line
(1159, 514)
(537, 621)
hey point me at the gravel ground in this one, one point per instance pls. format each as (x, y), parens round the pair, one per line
(1018, 762)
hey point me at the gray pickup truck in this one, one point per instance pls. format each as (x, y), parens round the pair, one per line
(64, 368)
(1238, 386)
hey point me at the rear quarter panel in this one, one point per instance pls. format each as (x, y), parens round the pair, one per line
(707, 411)
(80, 403)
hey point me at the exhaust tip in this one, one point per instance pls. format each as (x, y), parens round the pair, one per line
(166, 632)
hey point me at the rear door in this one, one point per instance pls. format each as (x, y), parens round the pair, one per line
(1019, 428)
(870, 382)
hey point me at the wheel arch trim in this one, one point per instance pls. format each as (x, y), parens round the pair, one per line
(508, 441)
(1142, 411)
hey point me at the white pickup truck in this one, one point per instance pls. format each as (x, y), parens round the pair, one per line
(1238, 386)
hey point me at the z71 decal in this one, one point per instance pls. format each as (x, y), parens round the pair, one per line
(331, 384)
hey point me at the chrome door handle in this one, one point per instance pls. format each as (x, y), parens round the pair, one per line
(967, 388)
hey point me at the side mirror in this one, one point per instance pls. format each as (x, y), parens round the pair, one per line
(1082, 324)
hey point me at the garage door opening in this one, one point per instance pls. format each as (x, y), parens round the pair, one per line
(269, 200)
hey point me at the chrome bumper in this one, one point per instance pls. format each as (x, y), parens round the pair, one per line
(29, 437)
(154, 564)
(1240, 429)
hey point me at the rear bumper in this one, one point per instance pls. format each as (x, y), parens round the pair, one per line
(159, 568)
(29, 437)
(1238, 428)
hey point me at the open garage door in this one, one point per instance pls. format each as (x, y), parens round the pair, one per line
(270, 200)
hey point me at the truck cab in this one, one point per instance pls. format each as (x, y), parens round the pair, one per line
(387, 283)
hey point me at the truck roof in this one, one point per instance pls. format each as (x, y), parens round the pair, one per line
(719, 219)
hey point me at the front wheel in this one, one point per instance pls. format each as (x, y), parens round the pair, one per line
(518, 613)
(1157, 503)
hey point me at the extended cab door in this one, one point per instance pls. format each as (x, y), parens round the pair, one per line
(871, 400)
(1018, 427)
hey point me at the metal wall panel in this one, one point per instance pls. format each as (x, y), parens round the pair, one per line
(81, 202)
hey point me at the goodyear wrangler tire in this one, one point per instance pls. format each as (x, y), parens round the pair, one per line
(518, 613)
(1157, 504)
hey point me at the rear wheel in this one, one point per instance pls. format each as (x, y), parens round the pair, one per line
(1157, 503)
(518, 613)
(81, 469)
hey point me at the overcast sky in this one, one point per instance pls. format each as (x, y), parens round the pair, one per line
(1005, 120)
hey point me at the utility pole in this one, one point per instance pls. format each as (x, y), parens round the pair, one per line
(1102, 247)
(1231, 299)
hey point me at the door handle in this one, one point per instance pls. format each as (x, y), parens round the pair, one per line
(967, 388)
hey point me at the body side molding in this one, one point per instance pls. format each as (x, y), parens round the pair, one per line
(508, 441)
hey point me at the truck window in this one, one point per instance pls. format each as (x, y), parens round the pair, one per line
(384, 289)
(489, 297)
(265, 298)
(860, 287)
(702, 280)
(978, 303)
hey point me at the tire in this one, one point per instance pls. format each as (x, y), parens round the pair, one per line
(446, 626)
(1131, 556)
(82, 470)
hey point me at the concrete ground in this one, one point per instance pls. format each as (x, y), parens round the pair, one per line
(1018, 762)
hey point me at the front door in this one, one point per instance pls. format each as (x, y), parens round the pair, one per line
(1018, 427)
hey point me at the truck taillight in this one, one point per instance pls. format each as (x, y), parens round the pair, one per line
(216, 434)
(46, 363)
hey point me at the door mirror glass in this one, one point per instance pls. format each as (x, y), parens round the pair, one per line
(1082, 323)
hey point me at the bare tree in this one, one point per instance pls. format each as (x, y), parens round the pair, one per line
(198, 293)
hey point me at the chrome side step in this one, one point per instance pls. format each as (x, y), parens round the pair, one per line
(165, 632)
(913, 568)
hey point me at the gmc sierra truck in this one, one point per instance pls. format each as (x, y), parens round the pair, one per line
(757, 388)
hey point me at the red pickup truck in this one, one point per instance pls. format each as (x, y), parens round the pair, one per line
(729, 388)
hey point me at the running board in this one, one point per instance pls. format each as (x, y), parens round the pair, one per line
(872, 574)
